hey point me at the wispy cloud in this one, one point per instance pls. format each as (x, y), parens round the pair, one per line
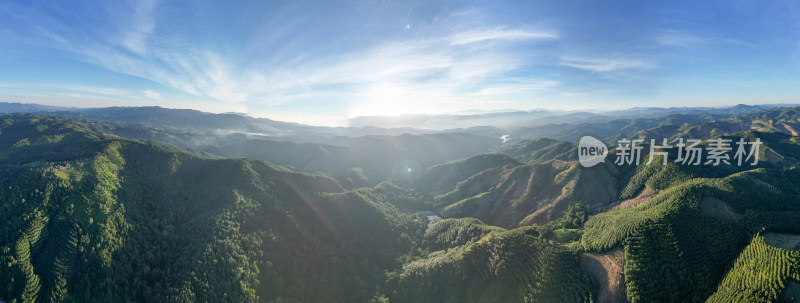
(94, 90)
(573, 94)
(602, 65)
(140, 27)
(499, 34)
(740, 42)
(503, 89)
(86, 96)
(452, 63)
(683, 38)
(151, 94)
(423, 70)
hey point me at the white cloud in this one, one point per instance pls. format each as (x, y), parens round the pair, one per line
(151, 94)
(607, 65)
(431, 71)
(498, 34)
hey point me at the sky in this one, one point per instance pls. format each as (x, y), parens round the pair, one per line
(322, 62)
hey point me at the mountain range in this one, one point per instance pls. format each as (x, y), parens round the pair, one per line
(163, 205)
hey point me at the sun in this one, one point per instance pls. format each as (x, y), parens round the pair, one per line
(383, 99)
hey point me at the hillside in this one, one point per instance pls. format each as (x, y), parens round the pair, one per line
(101, 219)
(676, 228)
(539, 150)
(441, 178)
(785, 120)
(609, 131)
(355, 162)
(503, 266)
(511, 195)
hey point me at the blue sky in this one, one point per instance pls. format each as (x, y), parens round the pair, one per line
(321, 62)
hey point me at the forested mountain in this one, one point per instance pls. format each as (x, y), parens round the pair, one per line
(357, 161)
(509, 196)
(780, 120)
(109, 212)
(609, 130)
(559, 125)
(539, 150)
(94, 218)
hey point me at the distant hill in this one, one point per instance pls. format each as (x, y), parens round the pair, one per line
(781, 120)
(363, 161)
(559, 125)
(539, 150)
(511, 119)
(10, 108)
(609, 131)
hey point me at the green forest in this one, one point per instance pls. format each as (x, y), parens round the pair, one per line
(106, 212)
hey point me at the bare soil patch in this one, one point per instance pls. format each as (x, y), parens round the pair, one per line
(640, 199)
(790, 129)
(607, 269)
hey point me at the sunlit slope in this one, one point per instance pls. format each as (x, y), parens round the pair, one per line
(539, 150)
(761, 273)
(679, 244)
(785, 120)
(686, 237)
(99, 219)
(678, 234)
(520, 265)
(778, 151)
(442, 178)
(601, 187)
(509, 195)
